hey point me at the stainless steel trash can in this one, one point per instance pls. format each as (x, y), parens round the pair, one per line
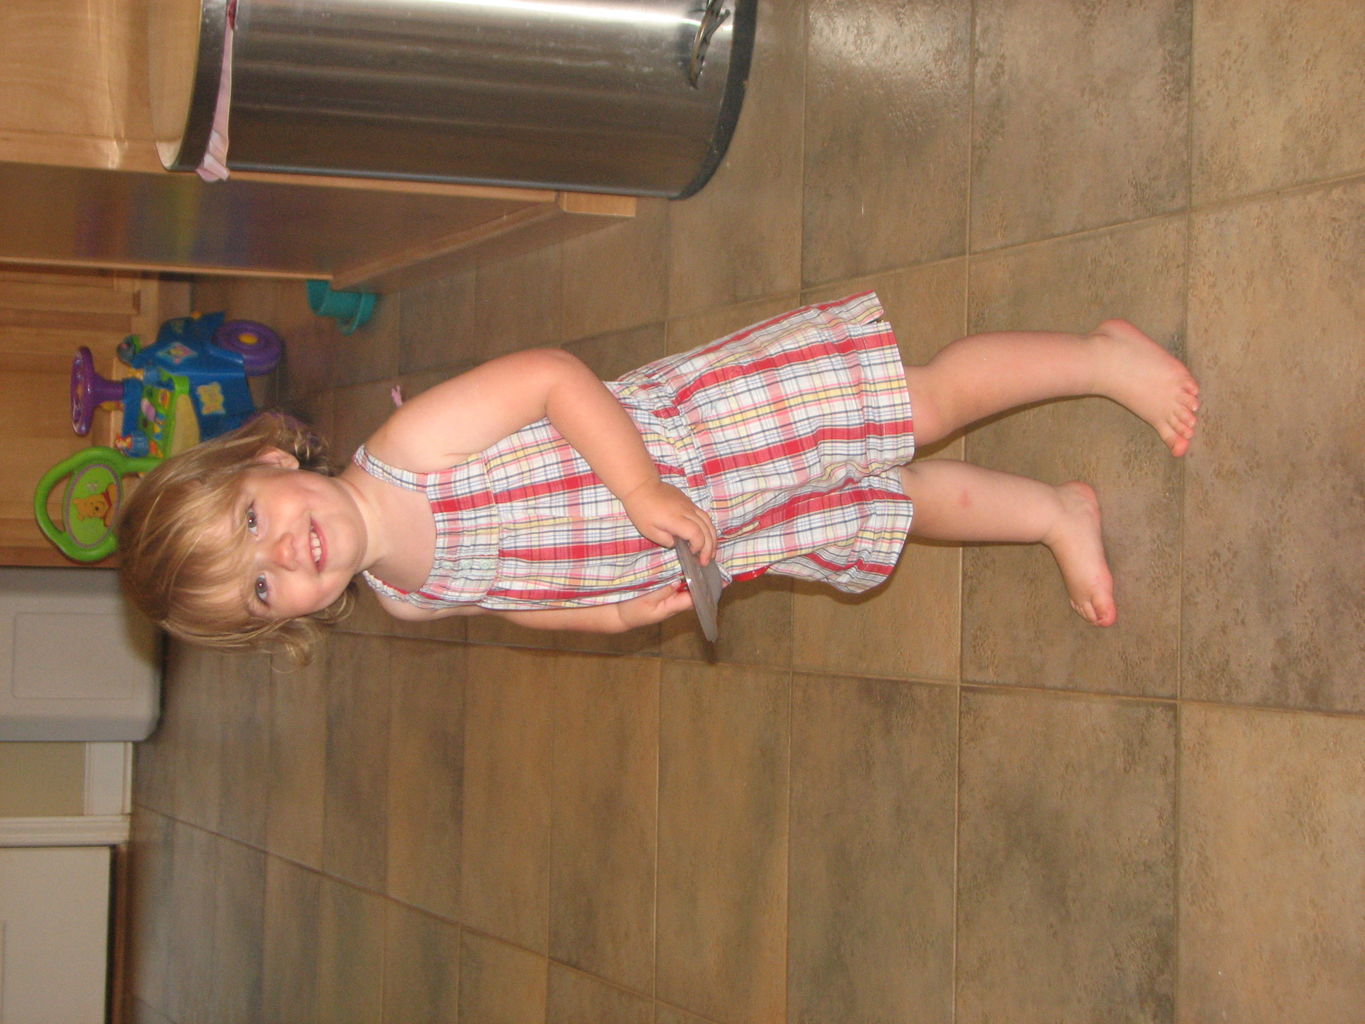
(637, 97)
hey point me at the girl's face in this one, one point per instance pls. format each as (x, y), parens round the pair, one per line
(303, 537)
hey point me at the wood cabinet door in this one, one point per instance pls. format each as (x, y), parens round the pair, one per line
(44, 317)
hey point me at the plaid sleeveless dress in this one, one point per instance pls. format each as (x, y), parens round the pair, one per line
(787, 433)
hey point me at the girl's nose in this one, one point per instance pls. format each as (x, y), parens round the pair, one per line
(286, 551)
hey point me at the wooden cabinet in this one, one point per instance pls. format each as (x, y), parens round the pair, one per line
(44, 318)
(83, 186)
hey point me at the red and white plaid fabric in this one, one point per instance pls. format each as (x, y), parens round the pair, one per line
(787, 432)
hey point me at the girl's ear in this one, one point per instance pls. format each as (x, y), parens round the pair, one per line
(277, 457)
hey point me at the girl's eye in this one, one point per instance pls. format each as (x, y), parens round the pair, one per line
(261, 590)
(251, 518)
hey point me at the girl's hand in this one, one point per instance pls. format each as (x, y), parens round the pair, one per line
(653, 607)
(665, 514)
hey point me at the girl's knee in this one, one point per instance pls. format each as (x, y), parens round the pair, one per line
(924, 405)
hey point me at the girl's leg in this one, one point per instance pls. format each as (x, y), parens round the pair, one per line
(985, 374)
(956, 501)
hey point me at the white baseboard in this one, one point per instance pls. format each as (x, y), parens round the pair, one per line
(86, 830)
(106, 806)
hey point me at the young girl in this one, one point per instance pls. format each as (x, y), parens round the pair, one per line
(529, 489)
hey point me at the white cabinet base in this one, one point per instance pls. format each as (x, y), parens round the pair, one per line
(54, 935)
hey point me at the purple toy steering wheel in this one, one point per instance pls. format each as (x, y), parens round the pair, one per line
(89, 390)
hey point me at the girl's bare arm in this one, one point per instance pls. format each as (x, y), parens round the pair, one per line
(608, 618)
(474, 410)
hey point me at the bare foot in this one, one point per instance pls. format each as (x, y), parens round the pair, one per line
(1150, 382)
(1077, 544)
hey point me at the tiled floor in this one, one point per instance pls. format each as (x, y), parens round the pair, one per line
(948, 801)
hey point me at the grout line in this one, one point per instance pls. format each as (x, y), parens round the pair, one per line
(787, 853)
(1189, 209)
(954, 953)
(1178, 829)
(1132, 698)
(954, 974)
(1177, 782)
(801, 153)
(658, 828)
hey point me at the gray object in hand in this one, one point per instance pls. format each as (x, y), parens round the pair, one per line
(705, 584)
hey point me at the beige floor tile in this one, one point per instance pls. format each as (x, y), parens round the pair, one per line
(574, 997)
(617, 277)
(1275, 314)
(310, 354)
(318, 411)
(1277, 94)
(438, 329)
(1018, 626)
(160, 775)
(739, 238)
(492, 630)
(754, 623)
(672, 1015)
(189, 953)
(505, 871)
(518, 303)
(888, 86)
(421, 969)
(151, 908)
(723, 831)
(426, 768)
(357, 412)
(298, 759)
(196, 689)
(356, 809)
(293, 921)
(719, 320)
(245, 782)
(138, 1012)
(500, 984)
(615, 353)
(605, 817)
(238, 934)
(372, 351)
(369, 617)
(1061, 139)
(905, 629)
(350, 954)
(872, 850)
(1272, 902)
(643, 641)
(1066, 859)
(154, 765)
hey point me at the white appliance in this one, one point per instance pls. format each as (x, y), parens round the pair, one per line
(77, 663)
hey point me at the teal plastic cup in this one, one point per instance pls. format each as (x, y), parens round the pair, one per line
(349, 309)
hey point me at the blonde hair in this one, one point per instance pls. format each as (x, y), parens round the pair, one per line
(176, 565)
